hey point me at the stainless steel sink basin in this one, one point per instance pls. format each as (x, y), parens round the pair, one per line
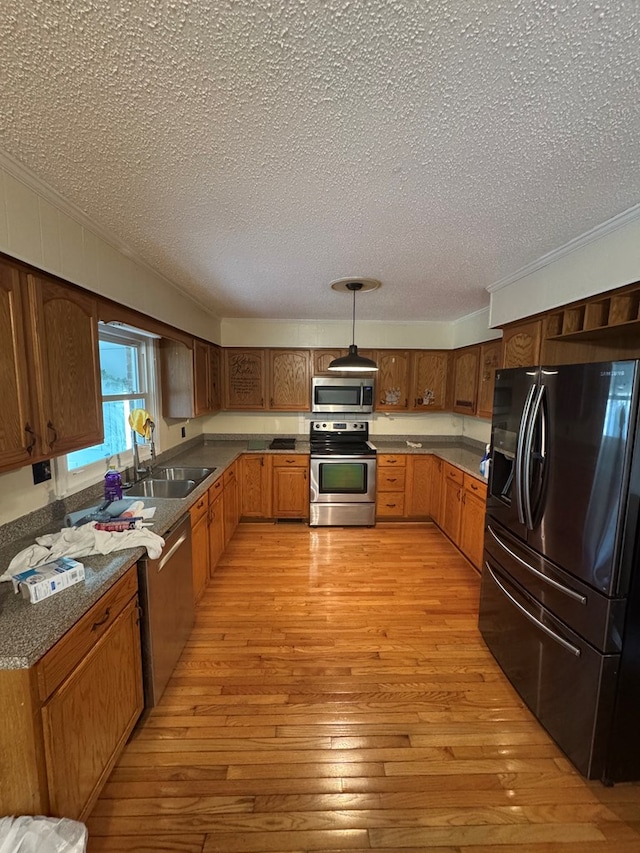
(153, 488)
(182, 473)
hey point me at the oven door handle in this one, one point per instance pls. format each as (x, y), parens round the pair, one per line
(350, 456)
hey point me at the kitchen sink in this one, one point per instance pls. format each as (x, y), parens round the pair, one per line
(153, 488)
(182, 473)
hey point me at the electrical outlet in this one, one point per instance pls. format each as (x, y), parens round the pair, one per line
(183, 432)
(41, 471)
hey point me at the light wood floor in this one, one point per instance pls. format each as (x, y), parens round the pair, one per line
(336, 695)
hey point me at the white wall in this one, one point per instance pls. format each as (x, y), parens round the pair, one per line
(601, 260)
(369, 334)
(39, 227)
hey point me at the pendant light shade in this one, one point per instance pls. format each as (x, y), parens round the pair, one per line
(353, 362)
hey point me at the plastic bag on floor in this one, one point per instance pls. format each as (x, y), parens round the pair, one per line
(42, 835)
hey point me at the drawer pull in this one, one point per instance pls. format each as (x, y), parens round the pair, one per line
(100, 622)
(52, 429)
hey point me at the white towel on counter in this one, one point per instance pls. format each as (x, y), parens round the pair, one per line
(81, 542)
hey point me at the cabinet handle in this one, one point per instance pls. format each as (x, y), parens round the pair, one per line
(406, 402)
(51, 427)
(474, 487)
(32, 438)
(104, 619)
(271, 402)
(391, 479)
(262, 461)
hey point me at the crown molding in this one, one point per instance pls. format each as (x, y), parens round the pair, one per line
(602, 230)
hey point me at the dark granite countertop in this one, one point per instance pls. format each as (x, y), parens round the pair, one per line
(28, 631)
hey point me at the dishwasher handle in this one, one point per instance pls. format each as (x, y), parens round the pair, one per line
(175, 546)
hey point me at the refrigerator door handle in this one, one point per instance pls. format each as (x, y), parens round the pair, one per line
(556, 637)
(520, 454)
(581, 599)
(527, 451)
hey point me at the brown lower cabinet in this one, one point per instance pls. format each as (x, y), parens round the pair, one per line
(255, 485)
(230, 501)
(290, 477)
(199, 514)
(67, 718)
(474, 500)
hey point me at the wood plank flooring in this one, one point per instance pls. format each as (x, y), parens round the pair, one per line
(336, 695)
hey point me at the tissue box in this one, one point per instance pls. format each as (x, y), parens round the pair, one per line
(41, 582)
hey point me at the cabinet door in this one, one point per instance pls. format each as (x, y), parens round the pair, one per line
(521, 344)
(66, 365)
(89, 718)
(465, 380)
(200, 546)
(322, 358)
(231, 511)
(436, 491)
(215, 378)
(245, 379)
(490, 354)
(255, 486)
(419, 487)
(201, 385)
(472, 523)
(290, 389)
(452, 484)
(392, 380)
(290, 486)
(18, 442)
(216, 531)
(429, 380)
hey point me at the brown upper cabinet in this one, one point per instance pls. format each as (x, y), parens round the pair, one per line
(392, 380)
(322, 358)
(276, 379)
(521, 344)
(190, 378)
(245, 378)
(49, 368)
(465, 379)
(490, 355)
(289, 380)
(429, 369)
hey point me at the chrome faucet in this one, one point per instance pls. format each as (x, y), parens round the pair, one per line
(140, 471)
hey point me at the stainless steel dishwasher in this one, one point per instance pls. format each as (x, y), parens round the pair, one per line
(166, 599)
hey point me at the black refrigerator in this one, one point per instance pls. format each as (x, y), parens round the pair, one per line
(560, 593)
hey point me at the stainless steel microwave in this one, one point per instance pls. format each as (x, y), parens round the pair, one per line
(335, 394)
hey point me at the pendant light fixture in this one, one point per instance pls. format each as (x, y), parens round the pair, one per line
(354, 363)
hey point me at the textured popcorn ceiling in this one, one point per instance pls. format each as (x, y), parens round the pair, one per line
(254, 151)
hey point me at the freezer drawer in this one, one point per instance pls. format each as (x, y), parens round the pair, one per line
(567, 684)
(600, 620)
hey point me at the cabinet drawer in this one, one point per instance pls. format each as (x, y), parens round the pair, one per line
(65, 656)
(229, 476)
(453, 473)
(198, 509)
(476, 486)
(215, 489)
(396, 459)
(391, 480)
(296, 460)
(390, 504)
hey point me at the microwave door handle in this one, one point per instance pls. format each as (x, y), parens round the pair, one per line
(520, 454)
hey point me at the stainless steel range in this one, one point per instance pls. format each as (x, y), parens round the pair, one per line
(343, 474)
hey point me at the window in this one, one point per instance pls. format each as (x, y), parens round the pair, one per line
(127, 373)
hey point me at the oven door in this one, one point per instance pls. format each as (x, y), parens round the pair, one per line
(343, 479)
